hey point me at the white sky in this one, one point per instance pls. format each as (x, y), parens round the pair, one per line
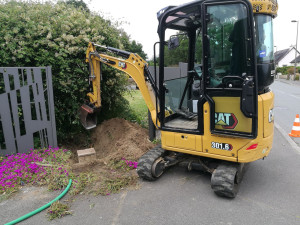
(142, 22)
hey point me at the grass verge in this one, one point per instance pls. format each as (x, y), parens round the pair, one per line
(49, 167)
(52, 167)
(139, 110)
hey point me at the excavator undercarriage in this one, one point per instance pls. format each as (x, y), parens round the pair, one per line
(225, 176)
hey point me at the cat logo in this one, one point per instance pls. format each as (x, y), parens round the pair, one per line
(226, 120)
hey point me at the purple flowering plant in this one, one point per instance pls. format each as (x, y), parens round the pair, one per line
(50, 167)
(130, 164)
(35, 167)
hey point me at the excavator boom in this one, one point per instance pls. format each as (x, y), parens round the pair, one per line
(131, 64)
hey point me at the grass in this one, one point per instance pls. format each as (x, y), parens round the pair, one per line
(115, 185)
(118, 175)
(58, 210)
(139, 110)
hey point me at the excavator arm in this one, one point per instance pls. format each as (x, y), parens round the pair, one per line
(130, 63)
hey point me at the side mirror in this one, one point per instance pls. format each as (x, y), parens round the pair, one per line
(173, 42)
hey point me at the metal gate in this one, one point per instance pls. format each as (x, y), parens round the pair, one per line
(27, 118)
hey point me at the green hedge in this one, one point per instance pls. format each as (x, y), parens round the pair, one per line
(284, 70)
(43, 34)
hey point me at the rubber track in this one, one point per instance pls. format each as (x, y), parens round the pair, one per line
(146, 161)
(223, 180)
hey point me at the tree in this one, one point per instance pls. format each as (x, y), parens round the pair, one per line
(180, 54)
(78, 4)
(132, 46)
(42, 34)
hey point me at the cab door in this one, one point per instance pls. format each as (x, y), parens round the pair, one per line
(229, 68)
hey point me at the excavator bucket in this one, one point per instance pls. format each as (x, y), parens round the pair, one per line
(88, 117)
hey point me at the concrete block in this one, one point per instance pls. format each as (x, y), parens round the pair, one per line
(86, 155)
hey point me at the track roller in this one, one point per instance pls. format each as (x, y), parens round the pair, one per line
(151, 165)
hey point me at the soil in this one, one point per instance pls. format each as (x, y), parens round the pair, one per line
(114, 140)
(118, 138)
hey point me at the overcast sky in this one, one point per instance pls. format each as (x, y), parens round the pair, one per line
(141, 22)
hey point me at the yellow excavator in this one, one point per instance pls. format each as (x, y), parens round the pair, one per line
(208, 93)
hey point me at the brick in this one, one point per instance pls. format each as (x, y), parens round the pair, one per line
(86, 155)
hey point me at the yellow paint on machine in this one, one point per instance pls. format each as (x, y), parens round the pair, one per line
(228, 105)
(201, 145)
(268, 103)
(185, 141)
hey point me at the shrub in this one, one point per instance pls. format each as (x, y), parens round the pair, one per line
(42, 34)
(291, 70)
(287, 70)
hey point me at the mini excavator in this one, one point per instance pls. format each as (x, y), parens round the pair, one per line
(209, 94)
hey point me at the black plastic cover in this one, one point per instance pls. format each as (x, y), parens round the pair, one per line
(248, 98)
(265, 74)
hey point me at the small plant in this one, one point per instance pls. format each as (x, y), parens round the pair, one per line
(58, 210)
(118, 176)
(114, 185)
(119, 165)
(156, 141)
(123, 164)
(81, 181)
(131, 164)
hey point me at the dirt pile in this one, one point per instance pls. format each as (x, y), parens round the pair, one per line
(118, 138)
(113, 140)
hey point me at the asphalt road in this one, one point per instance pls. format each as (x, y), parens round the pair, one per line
(269, 193)
(287, 104)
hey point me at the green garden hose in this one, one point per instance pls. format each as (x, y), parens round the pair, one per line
(41, 208)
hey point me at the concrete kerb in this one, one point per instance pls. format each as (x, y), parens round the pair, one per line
(291, 82)
(287, 138)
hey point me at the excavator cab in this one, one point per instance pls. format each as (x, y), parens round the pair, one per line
(213, 59)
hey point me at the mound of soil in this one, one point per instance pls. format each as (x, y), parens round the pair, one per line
(118, 138)
(113, 140)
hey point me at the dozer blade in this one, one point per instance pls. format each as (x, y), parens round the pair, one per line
(88, 117)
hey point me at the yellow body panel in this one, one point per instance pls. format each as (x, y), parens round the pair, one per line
(265, 6)
(228, 105)
(268, 103)
(185, 141)
(201, 145)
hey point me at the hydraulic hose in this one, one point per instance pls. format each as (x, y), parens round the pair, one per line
(41, 208)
